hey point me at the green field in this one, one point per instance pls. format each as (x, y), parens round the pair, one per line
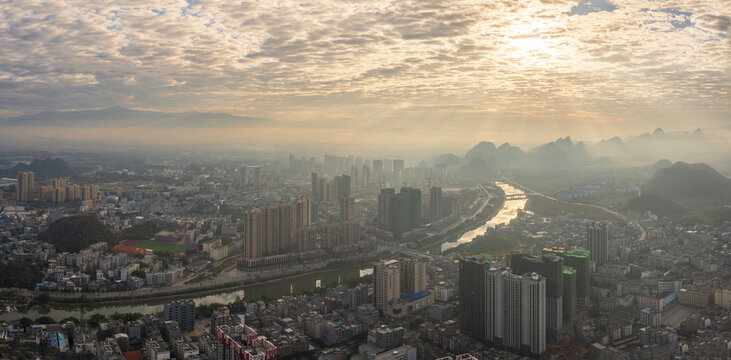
(543, 206)
(161, 246)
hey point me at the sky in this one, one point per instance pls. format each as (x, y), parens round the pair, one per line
(403, 73)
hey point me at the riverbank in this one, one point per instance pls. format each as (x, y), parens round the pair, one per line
(490, 208)
(513, 203)
(142, 298)
(270, 289)
(434, 246)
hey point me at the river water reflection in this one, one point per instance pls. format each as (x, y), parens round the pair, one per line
(508, 212)
(272, 290)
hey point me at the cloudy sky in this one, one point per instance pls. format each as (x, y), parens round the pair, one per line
(376, 72)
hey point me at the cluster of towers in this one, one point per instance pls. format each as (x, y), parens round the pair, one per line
(522, 306)
(400, 212)
(393, 279)
(59, 191)
(502, 308)
(279, 229)
(25, 186)
(330, 192)
(251, 176)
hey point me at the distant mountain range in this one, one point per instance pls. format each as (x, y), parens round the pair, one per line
(655, 145)
(123, 117)
(486, 159)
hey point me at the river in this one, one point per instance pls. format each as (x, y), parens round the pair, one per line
(271, 290)
(508, 212)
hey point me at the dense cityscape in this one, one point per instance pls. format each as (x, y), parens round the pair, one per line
(324, 258)
(365, 180)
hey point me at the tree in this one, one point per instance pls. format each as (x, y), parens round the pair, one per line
(95, 319)
(21, 274)
(45, 320)
(139, 273)
(25, 322)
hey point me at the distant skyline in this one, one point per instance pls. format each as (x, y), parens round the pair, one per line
(418, 76)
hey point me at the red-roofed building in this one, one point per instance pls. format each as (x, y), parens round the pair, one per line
(133, 355)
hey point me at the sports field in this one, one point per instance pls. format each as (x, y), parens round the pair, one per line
(161, 246)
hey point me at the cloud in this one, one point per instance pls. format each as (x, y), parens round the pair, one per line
(360, 60)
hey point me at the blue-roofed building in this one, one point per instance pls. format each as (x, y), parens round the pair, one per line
(408, 304)
(415, 296)
(58, 340)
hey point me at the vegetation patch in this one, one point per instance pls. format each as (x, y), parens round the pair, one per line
(547, 207)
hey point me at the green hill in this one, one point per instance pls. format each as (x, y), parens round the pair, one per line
(74, 233)
(43, 169)
(655, 204)
(689, 181)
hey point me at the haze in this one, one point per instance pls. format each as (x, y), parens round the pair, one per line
(398, 76)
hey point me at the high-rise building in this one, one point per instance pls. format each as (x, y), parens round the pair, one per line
(344, 185)
(436, 204)
(25, 185)
(414, 203)
(257, 176)
(303, 212)
(386, 284)
(315, 186)
(579, 260)
(349, 232)
(182, 312)
(596, 238)
(384, 205)
(41, 155)
(347, 208)
(533, 313)
(58, 183)
(287, 229)
(400, 212)
(272, 236)
(398, 167)
(413, 276)
(472, 316)
(253, 233)
(244, 176)
(354, 177)
(550, 266)
(366, 180)
(378, 166)
(399, 219)
(331, 193)
(330, 235)
(275, 229)
(514, 311)
(306, 238)
(569, 295)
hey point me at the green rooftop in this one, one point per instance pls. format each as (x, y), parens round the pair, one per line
(581, 253)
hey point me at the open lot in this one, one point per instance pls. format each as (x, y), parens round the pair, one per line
(161, 246)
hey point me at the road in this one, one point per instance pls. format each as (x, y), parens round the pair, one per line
(631, 222)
